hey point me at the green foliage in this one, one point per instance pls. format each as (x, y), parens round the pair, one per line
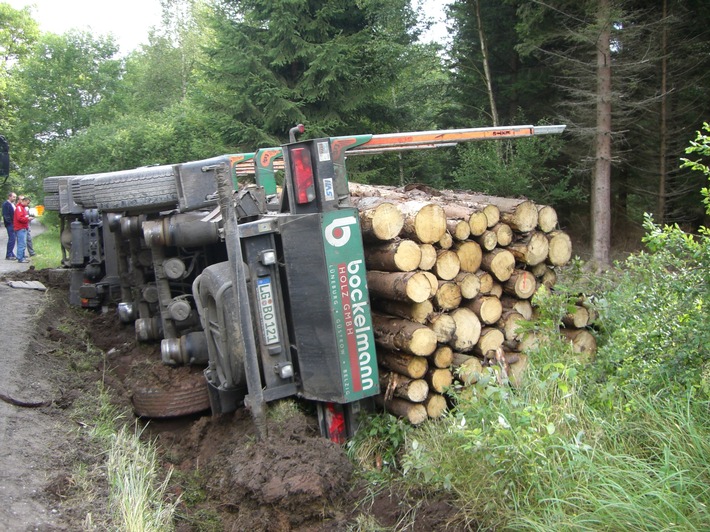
(655, 335)
(379, 442)
(272, 65)
(521, 167)
(175, 135)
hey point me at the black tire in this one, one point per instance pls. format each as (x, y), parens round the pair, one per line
(51, 202)
(139, 190)
(51, 184)
(229, 371)
(185, 394)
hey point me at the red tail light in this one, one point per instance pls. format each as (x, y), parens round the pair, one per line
(303, 183)
(335, 420)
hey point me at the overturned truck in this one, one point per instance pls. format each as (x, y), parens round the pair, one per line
(263, 285)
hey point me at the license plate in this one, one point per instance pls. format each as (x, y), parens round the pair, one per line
(267, 310)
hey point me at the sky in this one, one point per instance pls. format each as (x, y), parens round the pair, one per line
(130, 20)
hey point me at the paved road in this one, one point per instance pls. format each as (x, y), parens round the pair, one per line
(10, 265)
(28, 436)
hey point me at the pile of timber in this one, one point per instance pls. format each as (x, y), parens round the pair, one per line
(450, 275)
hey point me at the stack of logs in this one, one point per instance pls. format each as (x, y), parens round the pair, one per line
(450, 275)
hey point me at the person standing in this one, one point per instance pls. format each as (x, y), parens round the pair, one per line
(21, 225)
(30, 246)
(8, 218)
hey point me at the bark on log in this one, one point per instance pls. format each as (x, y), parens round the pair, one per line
(393, 384)
(496, 290)
(415, 413)
(447, 264)
(499, 262)
(400, 286)
(531, 249)
(444, 327)
(448, 296)
(470, 256)
(441, 358)
(469, 284)
(522, 284)
(560, 248)
(416, 312)
(487, 308)
(428, 259)
(408, 336)
(410, 366)
(379, 220)
(397, 256)
(438, 379)
(467, 331)
(435, 404)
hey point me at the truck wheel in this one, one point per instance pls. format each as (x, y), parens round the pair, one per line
(51, 202)
(51, 184)
(185, 395)
(140, 190)
(218, 310)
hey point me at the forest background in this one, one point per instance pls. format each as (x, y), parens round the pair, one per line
(227, 76)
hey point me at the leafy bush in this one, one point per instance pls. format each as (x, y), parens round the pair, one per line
(655, 337)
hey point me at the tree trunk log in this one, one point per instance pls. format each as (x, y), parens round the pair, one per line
(468, 368)
(532, 249)
(399, 286)
(470, 256)
(448, 296)
(490, 340)
(415, 413)
(395, 385)
(379, 219)
(504, 234)
(583, 343)
(416, 312)
(410, 366)
(488, 240)
(509, 324)
(424, 222)
(487, 308)
(577, 319)
(397, 333)
(441, 358)
(546, 218)
(435, 405)
(469, 284)
(459, 229)
(428, 259)
(524, 307)
(467, 331)
(486, 281)
(447, 265)
(444, 327)
(522, 284)
(500, 263)
(397, 256)
(560, 248)
(438, 379)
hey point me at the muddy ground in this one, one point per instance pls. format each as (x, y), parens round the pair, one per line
(225, 478)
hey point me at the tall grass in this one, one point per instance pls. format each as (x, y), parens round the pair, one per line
(47, 246)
